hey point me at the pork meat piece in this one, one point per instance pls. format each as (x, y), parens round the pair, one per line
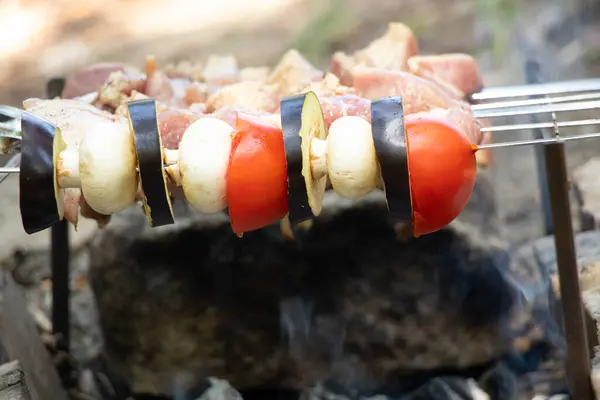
(90, 79)
(229, 115)
(185, 69)
(341, 66)
(221, 70)
(163, 88)
(391, 51)
(121, 111)
(418, 94)
(260, 74)
(121, 83)
(250, 94)
(168, 90)
(197, 108)
(172, 125)
(459, 71)
(461, 118)
(465, 121)
(196, 92)
(338, 100)
(173, 120)
(335, 107)
(330, 85)
(293, 73)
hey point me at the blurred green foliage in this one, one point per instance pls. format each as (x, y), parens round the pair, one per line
(499, 17)
(330, 22)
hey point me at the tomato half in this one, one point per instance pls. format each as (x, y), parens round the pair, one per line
(442, 167)
(257, 175)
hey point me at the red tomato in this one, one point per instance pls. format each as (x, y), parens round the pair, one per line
(442, 167)
(257, 175)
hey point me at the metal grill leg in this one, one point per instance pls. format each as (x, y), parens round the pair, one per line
(61, 290)
(578, 357)
(60, 253)
(533, 75)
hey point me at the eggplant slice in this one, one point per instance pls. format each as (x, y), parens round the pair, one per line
(40, 199)
(301, 121)
(143, 123)
(389, 137)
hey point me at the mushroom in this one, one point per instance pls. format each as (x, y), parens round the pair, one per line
(107, 167)
(203, 160)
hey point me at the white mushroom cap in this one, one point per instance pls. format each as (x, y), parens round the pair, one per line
(203, 160)
(107, 167)
(351, 157)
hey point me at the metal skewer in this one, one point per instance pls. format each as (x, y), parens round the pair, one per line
(539, 89)
(531, 102)
(588, 100)
(10, 170)
(548, 107)
(11, 167)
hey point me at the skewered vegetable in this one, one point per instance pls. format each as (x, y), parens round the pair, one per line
(40, 198)
(245, 170)
(203, 158)
(257, 182)
(391, 146)
(442, 169)
(144, 126)
(426, 166)
(302, 121)
(108, 186)
(351, 159)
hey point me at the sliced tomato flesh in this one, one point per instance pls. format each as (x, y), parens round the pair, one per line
(257, 175)
(442, 169)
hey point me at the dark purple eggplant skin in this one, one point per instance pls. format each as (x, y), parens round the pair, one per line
(291, 122)
(147, 143)
(389, 138)
(37, 199)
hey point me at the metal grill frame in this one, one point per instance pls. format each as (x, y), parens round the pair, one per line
(551, 162)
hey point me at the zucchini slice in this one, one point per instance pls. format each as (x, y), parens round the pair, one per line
(391, 146)
(143, 123)
(41, 201)
(301, 121)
